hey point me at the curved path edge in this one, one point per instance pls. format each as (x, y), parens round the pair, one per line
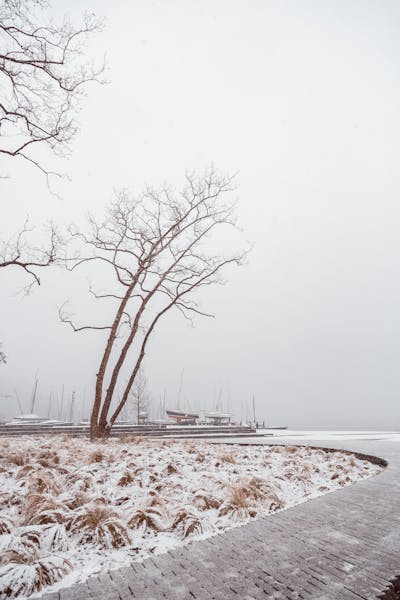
(342, 545)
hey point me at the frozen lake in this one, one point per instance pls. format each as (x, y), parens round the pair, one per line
(309, 436)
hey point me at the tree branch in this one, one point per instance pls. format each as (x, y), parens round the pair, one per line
(66, 318)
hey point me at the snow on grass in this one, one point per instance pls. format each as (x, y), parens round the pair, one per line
(70, 508)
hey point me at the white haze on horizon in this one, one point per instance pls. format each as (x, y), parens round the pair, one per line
(301, 99)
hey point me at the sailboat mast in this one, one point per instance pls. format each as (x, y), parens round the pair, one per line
(62, 402)
(19, 403)
(48, 409)
(34, 395)
(71, 411)
(180, 390)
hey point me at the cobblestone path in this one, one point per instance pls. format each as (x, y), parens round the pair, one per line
(344, 545)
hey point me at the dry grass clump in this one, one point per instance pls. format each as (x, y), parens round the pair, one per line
(126, 479)
(239, 504)
(23, 573)
(265, 491)
(8, 499)
(54, 537)
(42, 510)
(206, 501)
(6, 525)
(76, 500)
(291, 449)
(97, 456)
(187, 521)
(18, 459)
(132, 439)
(79, 482)
(23, 471)
(29, 540)
(308, 469)
(149, 517)
(48, 458)
(155, 499)
(40, 481)
(244, 496)
(170, 469)
(101, 526)
(166, 443)
(34, 539)
(227, 458)
(122, 500)
(240, 495)
(190, 447)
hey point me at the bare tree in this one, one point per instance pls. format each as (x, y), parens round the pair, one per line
(138, 401)
(155, 246)
(17, 252)
(42, 77)
(3, 358)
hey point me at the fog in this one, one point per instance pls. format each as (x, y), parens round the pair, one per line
(301, 100)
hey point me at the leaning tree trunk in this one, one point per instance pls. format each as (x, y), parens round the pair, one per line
(97, 429)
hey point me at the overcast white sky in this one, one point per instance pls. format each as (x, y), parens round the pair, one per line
(302, 99)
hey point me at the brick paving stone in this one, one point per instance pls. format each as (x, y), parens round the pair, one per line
(102, 587)
(81, 591)
(65, 594)
(138, 590)
(121, 584)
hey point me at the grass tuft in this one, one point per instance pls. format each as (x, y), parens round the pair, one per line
(101, 526)
(149, 517)
(23, 573)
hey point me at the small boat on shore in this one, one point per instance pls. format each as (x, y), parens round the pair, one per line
(32, 419)
(181, 417)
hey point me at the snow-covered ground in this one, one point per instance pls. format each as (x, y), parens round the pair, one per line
(70, 508)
